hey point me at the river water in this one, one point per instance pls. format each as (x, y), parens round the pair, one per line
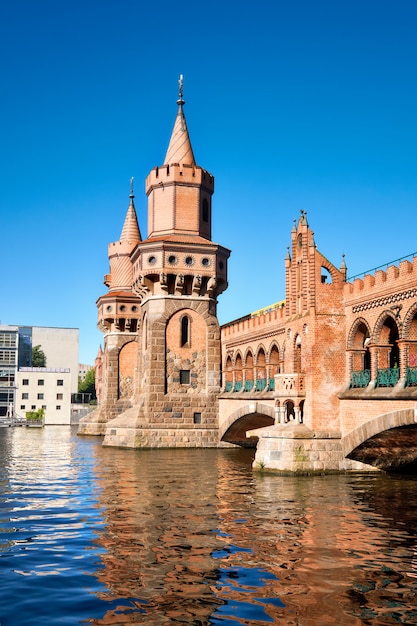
(92, 535)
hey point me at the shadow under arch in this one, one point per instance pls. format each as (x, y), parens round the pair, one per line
(249, 417)
(388, 442)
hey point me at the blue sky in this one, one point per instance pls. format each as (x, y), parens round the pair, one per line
(291, 105)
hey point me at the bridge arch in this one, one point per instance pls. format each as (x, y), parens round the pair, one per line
(389, 441)
(248, 417)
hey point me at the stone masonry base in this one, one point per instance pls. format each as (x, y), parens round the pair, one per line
(93, 424)
(295, 449)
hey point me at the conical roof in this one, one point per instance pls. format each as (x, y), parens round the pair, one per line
(130, 231)
(179, 149)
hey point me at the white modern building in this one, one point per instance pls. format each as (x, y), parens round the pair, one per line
(25, 388)
(45, 388)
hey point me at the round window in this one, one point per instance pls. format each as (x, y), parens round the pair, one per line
(205, 262)
(134, 309)
(152, 260)
(189, 260)
(108, 308)
(123, 308)
(172, 259)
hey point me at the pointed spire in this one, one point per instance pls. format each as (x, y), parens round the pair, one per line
(179, 149)
(130, 231)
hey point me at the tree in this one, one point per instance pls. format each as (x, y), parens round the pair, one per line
(88, 385)
(38, 357)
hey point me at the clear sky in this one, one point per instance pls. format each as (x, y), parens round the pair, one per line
(290, 105)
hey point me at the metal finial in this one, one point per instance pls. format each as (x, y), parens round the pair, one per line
(180, 86)
(131, 195)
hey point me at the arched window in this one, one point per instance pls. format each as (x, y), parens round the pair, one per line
(185, 331)
(326, 277)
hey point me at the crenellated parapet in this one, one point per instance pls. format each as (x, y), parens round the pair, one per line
(255, 321)
(394, 278)
(174, 173)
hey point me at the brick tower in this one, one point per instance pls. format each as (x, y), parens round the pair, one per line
(162, 356)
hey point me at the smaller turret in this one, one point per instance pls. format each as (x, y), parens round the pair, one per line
(121, 270)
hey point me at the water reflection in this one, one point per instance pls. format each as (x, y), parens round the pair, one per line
(194, 537)
(197, 538)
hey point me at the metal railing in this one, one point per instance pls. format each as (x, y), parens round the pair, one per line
(261, 384)
(360, 378)
(385, 266)
(411, 377)
(387, 377)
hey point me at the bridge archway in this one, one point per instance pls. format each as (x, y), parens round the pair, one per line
(388, 442)
(249, 417)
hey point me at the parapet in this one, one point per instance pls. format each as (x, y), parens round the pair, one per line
(395, 276)
(179, 173)
(251, 322)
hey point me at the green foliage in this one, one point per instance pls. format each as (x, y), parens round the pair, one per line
(88, 385)
(38, 357)
(35, 416)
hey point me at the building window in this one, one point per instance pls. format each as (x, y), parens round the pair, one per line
(40, 396)
(25, 396)
(41, 382)
(33, 407)
(44, 406)
(197, 418)
(185, 331)
(8, 357)
(205, 210)
(22, 407)
(59, 396)
(185, 377)
(25, 381)
(60, 382)
(58, 407)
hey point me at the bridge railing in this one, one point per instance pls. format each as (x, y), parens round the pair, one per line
(360, 378)
(387, 377)
(250, 385)
(411, 377)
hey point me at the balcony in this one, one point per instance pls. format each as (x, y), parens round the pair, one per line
(289, 385)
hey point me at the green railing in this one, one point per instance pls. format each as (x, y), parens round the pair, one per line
(260, 384)
(248, 385)
(411, 377)
(387, 377)
(360, 378)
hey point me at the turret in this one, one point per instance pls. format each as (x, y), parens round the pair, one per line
(121, 271)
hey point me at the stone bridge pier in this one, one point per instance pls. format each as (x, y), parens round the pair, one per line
(387, 442)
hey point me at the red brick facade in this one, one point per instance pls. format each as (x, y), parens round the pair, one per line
(331, 357)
